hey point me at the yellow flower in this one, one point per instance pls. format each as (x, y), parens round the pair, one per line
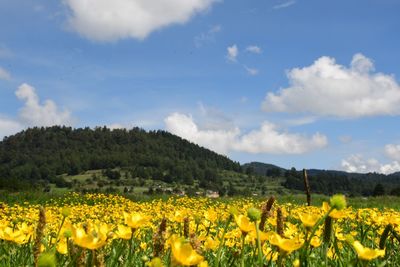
(183, 252)
(211, 243)
(367, 253)
(270, 254)
(62, 246)
(263, 236)
(135, 220)
(285, 244)
(155, 262)
(123, 232)
(143, 245)
(309, 219)
(244, 223)
(95, 237)
(20, 235)
(335, 214)
(315, 241)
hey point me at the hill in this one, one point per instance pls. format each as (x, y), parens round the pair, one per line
(38, 156)
(139, 161)
(260, 168)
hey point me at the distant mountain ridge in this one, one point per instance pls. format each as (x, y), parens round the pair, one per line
(39, 156)
(330, 181)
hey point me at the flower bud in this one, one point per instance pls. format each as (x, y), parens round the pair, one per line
(67, 233)
(47, 260)
(338, 202)
(65, 211)
(254, 214)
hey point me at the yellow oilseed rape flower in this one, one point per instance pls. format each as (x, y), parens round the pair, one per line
(183, 252)
(287, 245)
(367, 253)
(135, 220)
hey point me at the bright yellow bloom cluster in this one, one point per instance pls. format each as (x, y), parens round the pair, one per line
(193, 231)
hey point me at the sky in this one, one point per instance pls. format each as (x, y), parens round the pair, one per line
(304, 84)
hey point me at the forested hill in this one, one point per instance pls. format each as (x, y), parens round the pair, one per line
(41, 154)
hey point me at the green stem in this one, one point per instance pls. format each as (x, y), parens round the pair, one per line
(260, 255)
(221, 241)
(242, 252)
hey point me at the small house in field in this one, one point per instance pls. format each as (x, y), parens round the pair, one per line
(212, 194)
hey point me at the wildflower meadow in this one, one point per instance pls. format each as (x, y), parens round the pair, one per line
(110, 230)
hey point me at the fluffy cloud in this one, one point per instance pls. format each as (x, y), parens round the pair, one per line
(9, 126)
(393, 152)
(357, 163)
(4, 75)
(267, 139)
(232, 52)
(105, 20)
(33, 113)
(328, 89)
(254, 49)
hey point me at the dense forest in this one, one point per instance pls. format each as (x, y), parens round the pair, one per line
(40, 155)
(37, 157)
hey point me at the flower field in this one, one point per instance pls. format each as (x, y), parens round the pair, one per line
(104, 230)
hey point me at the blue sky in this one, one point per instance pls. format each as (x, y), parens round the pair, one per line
(309, 84)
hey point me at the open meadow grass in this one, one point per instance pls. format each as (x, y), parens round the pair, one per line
(111, 230)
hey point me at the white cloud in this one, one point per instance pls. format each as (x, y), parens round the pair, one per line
(251, 71)
(267, 139)
(285, 4)
(328, 89)
(35, 114)
(254, 49)
(212, 118)
(232, 52)
(357, 163)
(300, 121)
(9, 126)
(208, 36)
(105, 20)
(393, 152)
(4, 74)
